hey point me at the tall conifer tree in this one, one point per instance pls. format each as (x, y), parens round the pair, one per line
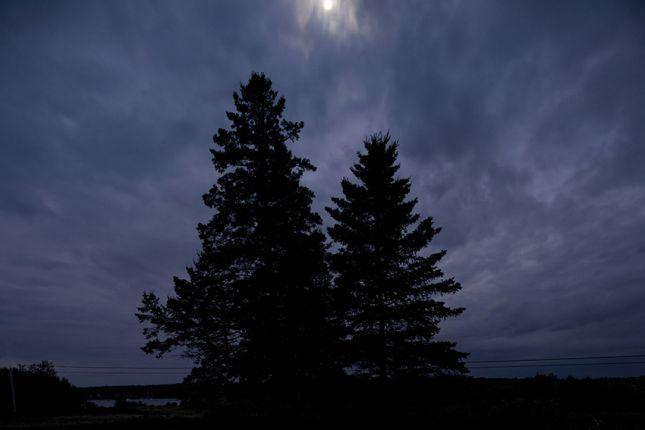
(253, 306)
(388, 288)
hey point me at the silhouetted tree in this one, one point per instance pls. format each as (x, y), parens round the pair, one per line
(44, 368)
(253, 308)
(37, 391)
(386, 287)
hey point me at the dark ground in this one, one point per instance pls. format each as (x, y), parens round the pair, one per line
(543, 402)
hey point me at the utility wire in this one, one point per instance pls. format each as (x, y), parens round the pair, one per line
(122, 367)
(516, 360)
(470, 367)
(116, 370)
(601, 357)
(558, 365)
(68, 372)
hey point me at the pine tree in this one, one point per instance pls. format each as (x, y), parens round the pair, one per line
(388, 289)
(253, 308)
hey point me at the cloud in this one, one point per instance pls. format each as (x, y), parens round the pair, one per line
(519, 123)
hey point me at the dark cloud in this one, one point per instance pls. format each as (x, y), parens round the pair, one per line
(519, 122)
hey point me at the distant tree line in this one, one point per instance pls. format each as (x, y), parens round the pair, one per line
(270, 301)
(36, 390)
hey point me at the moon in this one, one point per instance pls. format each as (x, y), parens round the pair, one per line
(328, 5)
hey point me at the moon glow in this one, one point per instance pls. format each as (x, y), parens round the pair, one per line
(328, 5)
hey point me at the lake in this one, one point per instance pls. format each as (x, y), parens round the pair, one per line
(109, 403)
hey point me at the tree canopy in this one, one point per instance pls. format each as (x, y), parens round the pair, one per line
(388, 288)
(252, 308)
(266, 301)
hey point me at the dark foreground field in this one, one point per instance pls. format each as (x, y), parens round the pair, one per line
(542, 402)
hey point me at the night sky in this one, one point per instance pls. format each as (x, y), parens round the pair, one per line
(521, 124)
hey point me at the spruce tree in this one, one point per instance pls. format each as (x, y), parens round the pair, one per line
(253, 307)
(389, 289)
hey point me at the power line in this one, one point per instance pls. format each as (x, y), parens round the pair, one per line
(557, 365)
(602, 357)
(513, 360)
(537, 362)
(68, 372)
(122, 367)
